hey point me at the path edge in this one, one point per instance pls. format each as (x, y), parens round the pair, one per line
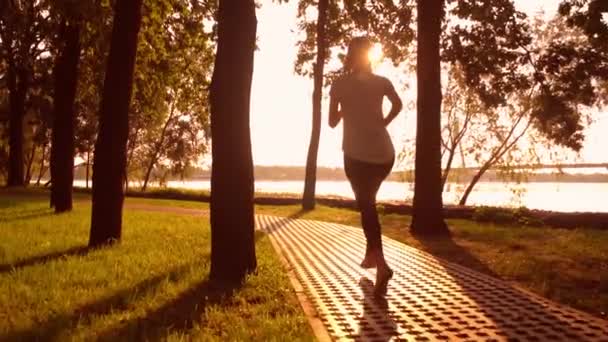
(318, 328)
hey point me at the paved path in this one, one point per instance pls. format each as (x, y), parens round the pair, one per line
(428, 299)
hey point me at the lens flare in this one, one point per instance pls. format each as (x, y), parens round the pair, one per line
(375, 54)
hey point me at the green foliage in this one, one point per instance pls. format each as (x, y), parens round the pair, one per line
(521, 216)
(169, 117)
(503, 52)
(386, 22)
(493, 214)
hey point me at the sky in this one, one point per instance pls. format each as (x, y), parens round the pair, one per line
(281, 101)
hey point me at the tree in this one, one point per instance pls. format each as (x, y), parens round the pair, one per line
(551, 76)
(63, 142)
(308, 201)
(23, 28)
(459, 107)
(110, 149)
(232, 221)
(427, 215)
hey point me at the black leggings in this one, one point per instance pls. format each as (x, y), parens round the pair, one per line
(365, 179)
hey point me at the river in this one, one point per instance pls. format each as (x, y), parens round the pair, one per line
(566, 197)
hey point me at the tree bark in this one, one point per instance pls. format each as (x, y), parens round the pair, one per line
(110, 156)
(428, 205)
(86, 182)
(30, 163)
(41, 170)
(232, 221)
(62, 136)
(18, 85)
(474, 181)
(308, 200)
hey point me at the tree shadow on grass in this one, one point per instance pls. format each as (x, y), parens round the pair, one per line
(444, 247)
(27, 215)
(177, 316)
(299, 213)
(119, 301)
(41, 259)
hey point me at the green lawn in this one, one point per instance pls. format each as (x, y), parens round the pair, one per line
(568, 266)
(151, 286)
(107, 290)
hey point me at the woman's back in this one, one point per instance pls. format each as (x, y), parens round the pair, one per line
(365, 135)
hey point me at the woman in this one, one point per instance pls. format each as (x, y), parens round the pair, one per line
(369, 154)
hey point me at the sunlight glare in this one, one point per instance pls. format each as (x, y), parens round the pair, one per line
(375, 55)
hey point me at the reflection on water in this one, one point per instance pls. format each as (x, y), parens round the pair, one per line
(567, 197)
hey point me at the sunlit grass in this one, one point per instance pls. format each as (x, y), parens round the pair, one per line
(568, 266)
(151, 286)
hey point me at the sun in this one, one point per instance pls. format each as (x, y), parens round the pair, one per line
(375, 54)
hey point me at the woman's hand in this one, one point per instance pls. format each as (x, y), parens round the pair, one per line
(335, 115)
(396, 105)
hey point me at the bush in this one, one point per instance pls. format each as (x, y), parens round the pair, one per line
(495, 215)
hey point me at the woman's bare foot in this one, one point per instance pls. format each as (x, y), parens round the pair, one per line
(383, 275)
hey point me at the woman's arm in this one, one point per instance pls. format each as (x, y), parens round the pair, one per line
(334, 114)
(396, 104)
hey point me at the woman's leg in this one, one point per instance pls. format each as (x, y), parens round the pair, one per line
(365, 179)
(384, 272)
(356, 174)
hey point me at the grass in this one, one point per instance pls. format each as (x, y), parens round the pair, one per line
(151, 286)
(568, 266)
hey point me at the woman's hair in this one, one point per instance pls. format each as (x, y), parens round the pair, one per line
(357, 55)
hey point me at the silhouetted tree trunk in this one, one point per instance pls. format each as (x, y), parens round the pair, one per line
(86, 182)
(62, 136)
(30, 163)
(308, 201)
(42, 169)
(428, 206)
(18, 84)
(232, 222)
(110, 156)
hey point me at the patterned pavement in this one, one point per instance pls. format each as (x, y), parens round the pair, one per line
(428, 299)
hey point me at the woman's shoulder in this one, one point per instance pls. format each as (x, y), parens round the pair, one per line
(381, 79)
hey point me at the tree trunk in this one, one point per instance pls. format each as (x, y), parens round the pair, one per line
(308, 200)
(474, 180)
(110, 156)
(62, 136)
(427, 207)
(232, 222)
(157, 147)
(41, 171)
(30, 163)
(86, 182)
(18, 86)
(448, 166)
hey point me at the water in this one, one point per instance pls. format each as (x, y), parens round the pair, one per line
(566, 197)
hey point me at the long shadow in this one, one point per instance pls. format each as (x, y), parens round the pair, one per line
(513, 313)
(443, 246)
(177, 316)
(40, 259)
(119, 301)
(27, 215)
(299, 213)
(375, 322)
